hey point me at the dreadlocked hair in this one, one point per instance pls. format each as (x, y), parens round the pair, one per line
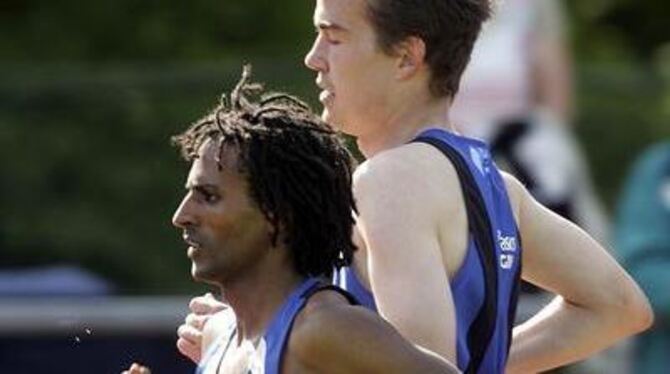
(299, 171)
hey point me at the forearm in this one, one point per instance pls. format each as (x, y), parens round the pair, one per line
(563, 333)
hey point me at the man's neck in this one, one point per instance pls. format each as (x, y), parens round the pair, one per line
(407, 121)
(256, 299)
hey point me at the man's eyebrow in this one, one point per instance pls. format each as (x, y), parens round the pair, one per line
(327, 25)
(199, 186)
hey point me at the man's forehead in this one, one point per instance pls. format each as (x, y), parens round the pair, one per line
(201, 175)
(206, 168)
(212, 152)
(337, 14)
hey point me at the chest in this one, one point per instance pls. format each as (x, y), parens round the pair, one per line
(248, 358)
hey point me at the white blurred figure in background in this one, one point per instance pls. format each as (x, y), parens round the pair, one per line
(517, 95)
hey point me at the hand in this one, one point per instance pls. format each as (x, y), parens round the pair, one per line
(136, 368)
(190, 332)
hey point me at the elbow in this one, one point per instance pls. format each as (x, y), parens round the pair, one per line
(622, 311)
(644, 315)
(637, 313)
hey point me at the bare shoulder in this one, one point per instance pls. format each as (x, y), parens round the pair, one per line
(325, 323)
(516, 192)
(405, 161)
(411, 197)
(321, 333)
(416, 171)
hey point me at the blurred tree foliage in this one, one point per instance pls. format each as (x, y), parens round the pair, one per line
(90, 92)
(89, 175)
(622, 50)
(108, 31)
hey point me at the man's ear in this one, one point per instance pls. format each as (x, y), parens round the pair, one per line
(411, 54)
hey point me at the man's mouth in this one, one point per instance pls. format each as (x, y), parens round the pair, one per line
(326, 94)
(190, 240)
(194, 246)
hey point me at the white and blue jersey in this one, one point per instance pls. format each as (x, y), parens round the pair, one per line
(269, 353)
(486, 286)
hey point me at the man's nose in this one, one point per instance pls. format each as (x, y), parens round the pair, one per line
(183, 216)
(314, 57)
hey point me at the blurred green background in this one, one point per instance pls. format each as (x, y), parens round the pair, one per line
(91, 91)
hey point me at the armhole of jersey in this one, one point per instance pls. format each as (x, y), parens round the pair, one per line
(318, 286)
(330, 287)
(483, 326)
(514, 297)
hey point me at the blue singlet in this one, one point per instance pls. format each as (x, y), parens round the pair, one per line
(270, 350)
(485, 288)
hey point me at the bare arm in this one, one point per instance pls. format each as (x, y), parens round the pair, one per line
(358, 341)
(598, 302)
(405, 266)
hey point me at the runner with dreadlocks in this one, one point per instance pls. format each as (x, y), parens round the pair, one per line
(267, 217)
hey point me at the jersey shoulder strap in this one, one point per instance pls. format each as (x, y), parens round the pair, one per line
(483, 326)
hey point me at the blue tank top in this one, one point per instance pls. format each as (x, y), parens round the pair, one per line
(486, 286)
(270, 350)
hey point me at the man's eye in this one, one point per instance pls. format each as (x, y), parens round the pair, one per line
(332, 40)
(328, 36)
(210, 197)
(206, 196)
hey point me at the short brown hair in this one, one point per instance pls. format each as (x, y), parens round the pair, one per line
(449, 29)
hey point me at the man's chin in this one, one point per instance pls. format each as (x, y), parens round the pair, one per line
(202, 275)
(330, 118)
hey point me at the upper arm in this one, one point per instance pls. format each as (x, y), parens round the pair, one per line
(397, 220)
(562, 258)
(358, 341)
